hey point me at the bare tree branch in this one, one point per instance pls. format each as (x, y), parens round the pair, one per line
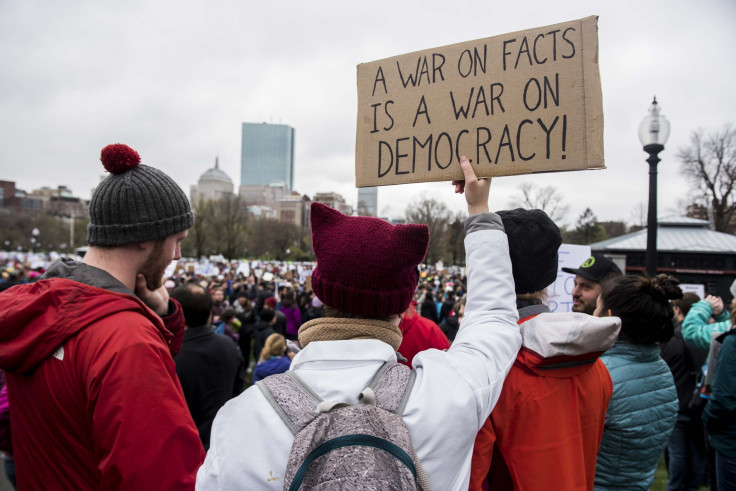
(709, 163)
(547, 198)
(435, 214)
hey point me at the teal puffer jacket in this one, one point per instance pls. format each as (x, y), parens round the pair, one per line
(695, 327)
(639, 419)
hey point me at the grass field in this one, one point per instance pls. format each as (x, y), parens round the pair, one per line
(660, 478)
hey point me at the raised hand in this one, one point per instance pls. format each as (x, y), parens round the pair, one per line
(476, 190)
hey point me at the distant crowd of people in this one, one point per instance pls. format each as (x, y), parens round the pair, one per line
(369, 370)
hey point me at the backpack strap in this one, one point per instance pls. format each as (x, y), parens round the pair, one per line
(297, 404)
(292, 399)
(392, 386)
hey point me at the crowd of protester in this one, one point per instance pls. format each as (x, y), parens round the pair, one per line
(258, 317)
(493, 390)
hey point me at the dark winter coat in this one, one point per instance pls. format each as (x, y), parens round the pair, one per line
(428, 309)
(261, 331)
(720, 413)
(686, 363)
(211, 371)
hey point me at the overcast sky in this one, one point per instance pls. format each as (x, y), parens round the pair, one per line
(175, 80)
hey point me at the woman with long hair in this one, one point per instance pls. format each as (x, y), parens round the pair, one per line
(643, 407)
(273, 358)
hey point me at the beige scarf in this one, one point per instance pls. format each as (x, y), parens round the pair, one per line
(334, 329)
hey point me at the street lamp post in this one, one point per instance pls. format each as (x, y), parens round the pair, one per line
(653, 133)
(71, 229)
(35, 232)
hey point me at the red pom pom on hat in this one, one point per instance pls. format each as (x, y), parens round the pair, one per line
(118, 158)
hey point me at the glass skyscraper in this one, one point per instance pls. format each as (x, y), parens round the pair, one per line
(267, 155)
(368, 201)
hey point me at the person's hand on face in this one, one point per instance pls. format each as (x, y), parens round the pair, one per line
(156, 300)
(716, 303)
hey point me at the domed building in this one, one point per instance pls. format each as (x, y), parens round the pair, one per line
(212, 185)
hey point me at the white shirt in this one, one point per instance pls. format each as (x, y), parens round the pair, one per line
(453, 394)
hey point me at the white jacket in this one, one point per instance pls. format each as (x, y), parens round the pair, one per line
(452, 397)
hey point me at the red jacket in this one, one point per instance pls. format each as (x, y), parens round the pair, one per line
(94, 397)
(546, 428)
(419, 334)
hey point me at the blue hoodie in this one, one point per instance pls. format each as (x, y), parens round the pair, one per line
(272, 366)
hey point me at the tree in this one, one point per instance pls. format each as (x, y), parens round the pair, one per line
(256, 237)
(456, 239)
(614, 228)
(219, 228)
(54, 232)
(228, 226)
(587, 229)
(199, 237)
(547, 198)
(434, 213)
(283, 236)
(709, 162)
(270, 239)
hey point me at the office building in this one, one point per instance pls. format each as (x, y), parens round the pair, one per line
(334, 200)
(267, 155)
(368, 201)
(294, 208)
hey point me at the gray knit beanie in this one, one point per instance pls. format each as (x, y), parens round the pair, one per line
(135, 203)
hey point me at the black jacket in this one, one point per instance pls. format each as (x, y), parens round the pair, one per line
(685, 362)
(428, 309)
(450, 327)
(261, 331)
(211, 371)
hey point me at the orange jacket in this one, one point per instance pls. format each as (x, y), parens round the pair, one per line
(546, 428)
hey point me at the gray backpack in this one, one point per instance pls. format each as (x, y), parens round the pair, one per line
(339, 446)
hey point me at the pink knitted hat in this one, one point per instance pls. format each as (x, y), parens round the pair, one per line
(365, 265)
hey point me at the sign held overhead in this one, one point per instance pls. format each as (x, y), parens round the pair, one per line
(519, 103)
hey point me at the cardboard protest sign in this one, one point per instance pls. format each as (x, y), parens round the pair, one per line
(519, 103)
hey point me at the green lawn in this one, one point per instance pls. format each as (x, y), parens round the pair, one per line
(660, 478)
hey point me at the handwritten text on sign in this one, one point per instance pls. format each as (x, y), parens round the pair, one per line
(524, 102)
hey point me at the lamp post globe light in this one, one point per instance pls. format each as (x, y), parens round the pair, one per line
(653, 133)
(35, 232)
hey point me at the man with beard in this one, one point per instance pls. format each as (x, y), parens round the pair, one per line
(588, 278)
(87, 350)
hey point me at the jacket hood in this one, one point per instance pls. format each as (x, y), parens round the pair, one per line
(409, 319)
(564, 344)
(38, 318)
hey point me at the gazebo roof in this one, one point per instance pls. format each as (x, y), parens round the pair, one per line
(674, 234)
